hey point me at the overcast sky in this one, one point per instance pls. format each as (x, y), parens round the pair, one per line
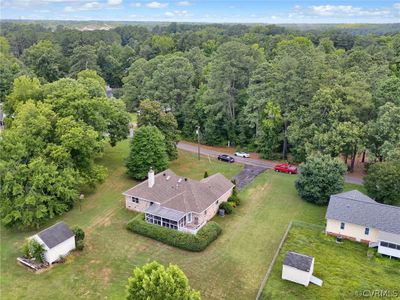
(267, 11)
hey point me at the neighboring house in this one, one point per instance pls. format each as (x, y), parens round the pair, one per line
(357, 217)
(57, 240)
(298, 268)
(179, 203)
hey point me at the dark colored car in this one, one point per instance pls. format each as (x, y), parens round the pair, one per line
(227, 158)
(286, 168)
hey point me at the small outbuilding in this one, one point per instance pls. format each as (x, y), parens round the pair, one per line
(298, 268)
(57, 240)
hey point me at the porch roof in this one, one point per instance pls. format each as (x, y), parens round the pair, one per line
(166, 213)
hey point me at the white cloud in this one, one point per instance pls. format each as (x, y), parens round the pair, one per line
(155, 4)
(176, 13)
(345, 10)
(85, 7)
(114, 2)
(184, 3)
(396, 5)
(136, 4)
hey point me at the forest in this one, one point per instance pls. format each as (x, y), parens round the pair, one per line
(279, 91)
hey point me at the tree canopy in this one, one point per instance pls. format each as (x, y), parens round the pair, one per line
(154, 281)
(147, 150)
(320, 177)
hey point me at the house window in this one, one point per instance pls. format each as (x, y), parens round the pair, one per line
(342, 225)
(135, 200)
(205, 212)
(366, 231)
(189, 217)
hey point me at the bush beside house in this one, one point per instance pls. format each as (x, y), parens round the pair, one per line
(191, 242)
(79, 237)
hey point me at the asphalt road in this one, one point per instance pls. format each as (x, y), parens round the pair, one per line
(249, 161)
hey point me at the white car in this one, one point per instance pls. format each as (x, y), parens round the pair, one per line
(242, 154)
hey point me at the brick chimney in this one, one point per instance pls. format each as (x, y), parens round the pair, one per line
(150, 177)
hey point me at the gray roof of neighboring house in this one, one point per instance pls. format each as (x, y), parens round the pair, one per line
(357, 208)
(299, 261)
(182, 194)
(163, 212)
(55, 234)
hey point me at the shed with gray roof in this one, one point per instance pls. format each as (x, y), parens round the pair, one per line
(58, 240)
(298, 267)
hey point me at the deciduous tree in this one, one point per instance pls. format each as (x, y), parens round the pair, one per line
(154, 281)
(319, 177)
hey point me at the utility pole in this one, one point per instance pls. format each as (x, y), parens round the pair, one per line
(198, 141)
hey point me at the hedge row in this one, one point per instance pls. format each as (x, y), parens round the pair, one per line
(191, 242)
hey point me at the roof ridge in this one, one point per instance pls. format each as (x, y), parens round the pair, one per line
(302, 254)
(373, 203)
(52, 226)
(144, 181)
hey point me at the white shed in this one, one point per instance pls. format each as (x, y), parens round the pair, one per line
(57, 240)
(298, 268)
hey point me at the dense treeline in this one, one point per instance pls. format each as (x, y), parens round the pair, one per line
(263, 88)
(270, 89)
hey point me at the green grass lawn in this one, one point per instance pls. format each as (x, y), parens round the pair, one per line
(232, 267)
(344, 268)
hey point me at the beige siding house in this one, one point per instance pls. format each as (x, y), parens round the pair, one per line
(179, 203)
(357, 217)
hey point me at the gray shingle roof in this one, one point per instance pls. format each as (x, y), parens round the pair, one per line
(55, 234)
(182, 194)
(357, 208)
(299, 261)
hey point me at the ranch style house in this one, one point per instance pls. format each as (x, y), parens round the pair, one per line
(357, 217)
(178, 203)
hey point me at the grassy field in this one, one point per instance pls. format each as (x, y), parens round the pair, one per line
(344, 268)
(232, 267)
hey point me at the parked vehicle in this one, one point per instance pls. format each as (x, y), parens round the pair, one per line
(242, 154)
(225, 157)
(285, 168)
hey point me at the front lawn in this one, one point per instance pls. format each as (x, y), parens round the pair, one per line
(344, 268)
(232, 267)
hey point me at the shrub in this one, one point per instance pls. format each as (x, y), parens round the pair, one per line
(227, 207)
(234, 199)
(80, 245)
(61, 259)
(191, 242)
(32, 249)
(319, 177)
(205, 174)
(79, 233)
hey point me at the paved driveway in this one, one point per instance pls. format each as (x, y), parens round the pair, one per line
(247, 175)
(250, 161)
